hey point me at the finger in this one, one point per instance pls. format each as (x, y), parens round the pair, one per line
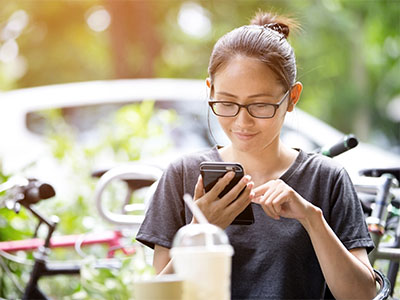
(269, 211)
(279, 197)
(267, 203)
(236, 190)
(241, 203)
(260, 190)
(278, 203)
(221, 184)
(199, 188)
(275, 202)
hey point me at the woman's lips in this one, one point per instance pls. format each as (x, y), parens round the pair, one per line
(244, 135)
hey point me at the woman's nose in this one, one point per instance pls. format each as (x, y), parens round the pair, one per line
(243, 118)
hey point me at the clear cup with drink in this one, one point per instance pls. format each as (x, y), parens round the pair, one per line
(202, 257)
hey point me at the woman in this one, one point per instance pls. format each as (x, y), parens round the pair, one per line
(309, 228)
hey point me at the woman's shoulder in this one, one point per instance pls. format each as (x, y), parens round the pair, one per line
(316, 170)
(318, 162)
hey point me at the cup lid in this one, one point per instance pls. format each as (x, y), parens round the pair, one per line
(200, 235)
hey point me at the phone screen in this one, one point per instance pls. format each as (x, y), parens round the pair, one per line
(212, 171)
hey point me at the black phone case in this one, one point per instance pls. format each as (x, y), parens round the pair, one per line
(212, 171)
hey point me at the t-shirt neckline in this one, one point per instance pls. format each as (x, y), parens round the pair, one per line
(286, 175)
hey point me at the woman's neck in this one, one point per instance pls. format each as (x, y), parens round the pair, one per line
(268, 164)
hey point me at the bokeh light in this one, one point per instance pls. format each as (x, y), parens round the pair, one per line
(193, 20)
(15, 24)
(9, 51)
(98, 19)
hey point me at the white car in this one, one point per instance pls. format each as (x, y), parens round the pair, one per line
(85, 103)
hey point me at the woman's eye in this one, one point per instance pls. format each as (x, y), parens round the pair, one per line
(228, 104)
(261, 106)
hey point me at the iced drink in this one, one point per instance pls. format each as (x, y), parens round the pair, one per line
(164, 287)
(202, 256)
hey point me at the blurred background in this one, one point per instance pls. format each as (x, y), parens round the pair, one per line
(347, 51)
(348, 57)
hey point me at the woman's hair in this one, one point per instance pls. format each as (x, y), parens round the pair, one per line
(264, 39)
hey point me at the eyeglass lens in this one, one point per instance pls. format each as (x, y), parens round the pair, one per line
(230, 109)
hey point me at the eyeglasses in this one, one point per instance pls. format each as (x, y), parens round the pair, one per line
(260, 110)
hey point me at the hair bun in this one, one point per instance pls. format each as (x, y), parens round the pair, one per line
(279, 27)
(277, 23)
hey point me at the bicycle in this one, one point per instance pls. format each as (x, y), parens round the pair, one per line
(28, 192)
(139, 175)
(380, 196)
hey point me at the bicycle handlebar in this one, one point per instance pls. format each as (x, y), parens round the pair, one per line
(25, 192)
(36, 191)
(127, 172)
(348, 142)
(13, 182)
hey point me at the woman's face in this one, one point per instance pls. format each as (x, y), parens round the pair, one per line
(245, 80)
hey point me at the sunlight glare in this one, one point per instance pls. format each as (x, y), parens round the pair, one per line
(193, 20)
(98, 19)
(9, 51)
(16, 23)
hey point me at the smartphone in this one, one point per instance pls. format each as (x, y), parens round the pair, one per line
(212, 171)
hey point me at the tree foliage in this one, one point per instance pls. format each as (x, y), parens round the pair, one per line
(347, 54)
(347, 51)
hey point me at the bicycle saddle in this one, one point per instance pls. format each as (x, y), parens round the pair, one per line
(133, 183)
(377, 172)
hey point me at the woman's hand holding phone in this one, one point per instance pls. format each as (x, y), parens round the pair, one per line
(222, 211)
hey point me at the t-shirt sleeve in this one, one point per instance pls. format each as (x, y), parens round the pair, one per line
(346, 216)
(166, 212)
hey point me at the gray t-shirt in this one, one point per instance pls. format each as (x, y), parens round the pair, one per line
(274, 259)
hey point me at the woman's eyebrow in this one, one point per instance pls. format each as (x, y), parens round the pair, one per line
(260, 95)
(251, 96)
(226, 94)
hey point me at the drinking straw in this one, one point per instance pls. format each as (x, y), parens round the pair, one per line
(195, 209)
(199, 216)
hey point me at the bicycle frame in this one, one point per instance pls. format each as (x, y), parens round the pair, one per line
(110, 238)
(377, 221)
(132, 175)
(27, 196)
(384, 195)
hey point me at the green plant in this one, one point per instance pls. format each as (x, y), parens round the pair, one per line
(126, 135)
(104, 283)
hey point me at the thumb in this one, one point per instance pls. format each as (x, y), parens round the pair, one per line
(199, 188)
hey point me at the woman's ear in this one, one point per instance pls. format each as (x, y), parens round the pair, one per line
(208, 82)
(209, 87)
(294, 95)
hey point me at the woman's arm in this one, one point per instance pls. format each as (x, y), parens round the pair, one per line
(162, 262)
(348, 274)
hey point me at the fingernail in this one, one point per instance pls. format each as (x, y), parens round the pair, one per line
(246, 179)
(250, 184)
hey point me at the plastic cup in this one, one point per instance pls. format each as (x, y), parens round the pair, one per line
(164, 287)
(202, 257)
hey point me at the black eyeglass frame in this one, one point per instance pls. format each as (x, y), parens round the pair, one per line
(246, 106)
